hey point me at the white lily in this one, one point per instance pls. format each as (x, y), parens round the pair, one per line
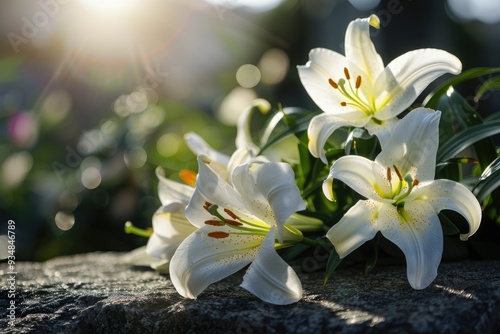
(356, 90)
(285, 149)
(170, 225)
(403, 199)
(238, 224)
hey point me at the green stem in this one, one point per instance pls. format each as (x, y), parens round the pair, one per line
(310, 242)
(131, 229)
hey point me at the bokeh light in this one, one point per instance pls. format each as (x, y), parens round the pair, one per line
(64, 221)
(233, 105)
(248, 76)
(135, 157)
(364, 4)
(168, 144)
(91, 178)
(487, 11)
(274, 66)
(55, 107)
(15, 168)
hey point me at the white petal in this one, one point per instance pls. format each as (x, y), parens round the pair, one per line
(137, 257)
(356, 227)
(242, 156)
(323, 65)
(359, 48)
(382, 129)
(408, 75)
(270, 278)
(170, 227)
(420, 238)
(356, 172)
(210, 187)
(202, 260)
(171, 191)
(322, 126)
(450, 195)
(413, 144)
(243, 134)
(269, 190)
(199, 146)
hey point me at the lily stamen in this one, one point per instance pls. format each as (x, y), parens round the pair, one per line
(398, 172)
(214, 222)
(333, 83)
(218, 235)
(346, 72)
(351, 93)
(231, 214)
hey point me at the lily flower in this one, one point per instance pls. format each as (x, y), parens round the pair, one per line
(403, 199)
(170, 225)
(238, 224)
(246, 149)
(356, 90)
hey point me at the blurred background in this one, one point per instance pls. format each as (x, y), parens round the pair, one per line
(95, 94)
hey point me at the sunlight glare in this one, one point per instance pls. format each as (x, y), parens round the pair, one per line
(109, 6)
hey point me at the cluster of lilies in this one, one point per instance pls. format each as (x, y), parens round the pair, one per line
(241, 210)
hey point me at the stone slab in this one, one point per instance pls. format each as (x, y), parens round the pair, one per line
(94, 293)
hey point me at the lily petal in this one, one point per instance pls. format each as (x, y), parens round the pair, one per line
(212, 188)
(270, 278)
(271, 193)
(170, 227)
(322, 126)
(450, 195)
(243, 134)
(419, 235)
(356, 172)
(199, 146)
(170, 191)
(382, 129)
(323, 65)
(242, 156)
(413, 145)
(202, 260)
(354, 229)
(407, 76)
(359, 48)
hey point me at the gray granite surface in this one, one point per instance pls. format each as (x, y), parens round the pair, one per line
(93, 293)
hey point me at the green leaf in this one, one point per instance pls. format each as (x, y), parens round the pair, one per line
(448, 227)
(456, 116)
(489, 180)
(458, 160)
(292, 253)
(304, 167)
(333, 262)
(490, 84)
(431, 100)
(300, 119)
(464, 139)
